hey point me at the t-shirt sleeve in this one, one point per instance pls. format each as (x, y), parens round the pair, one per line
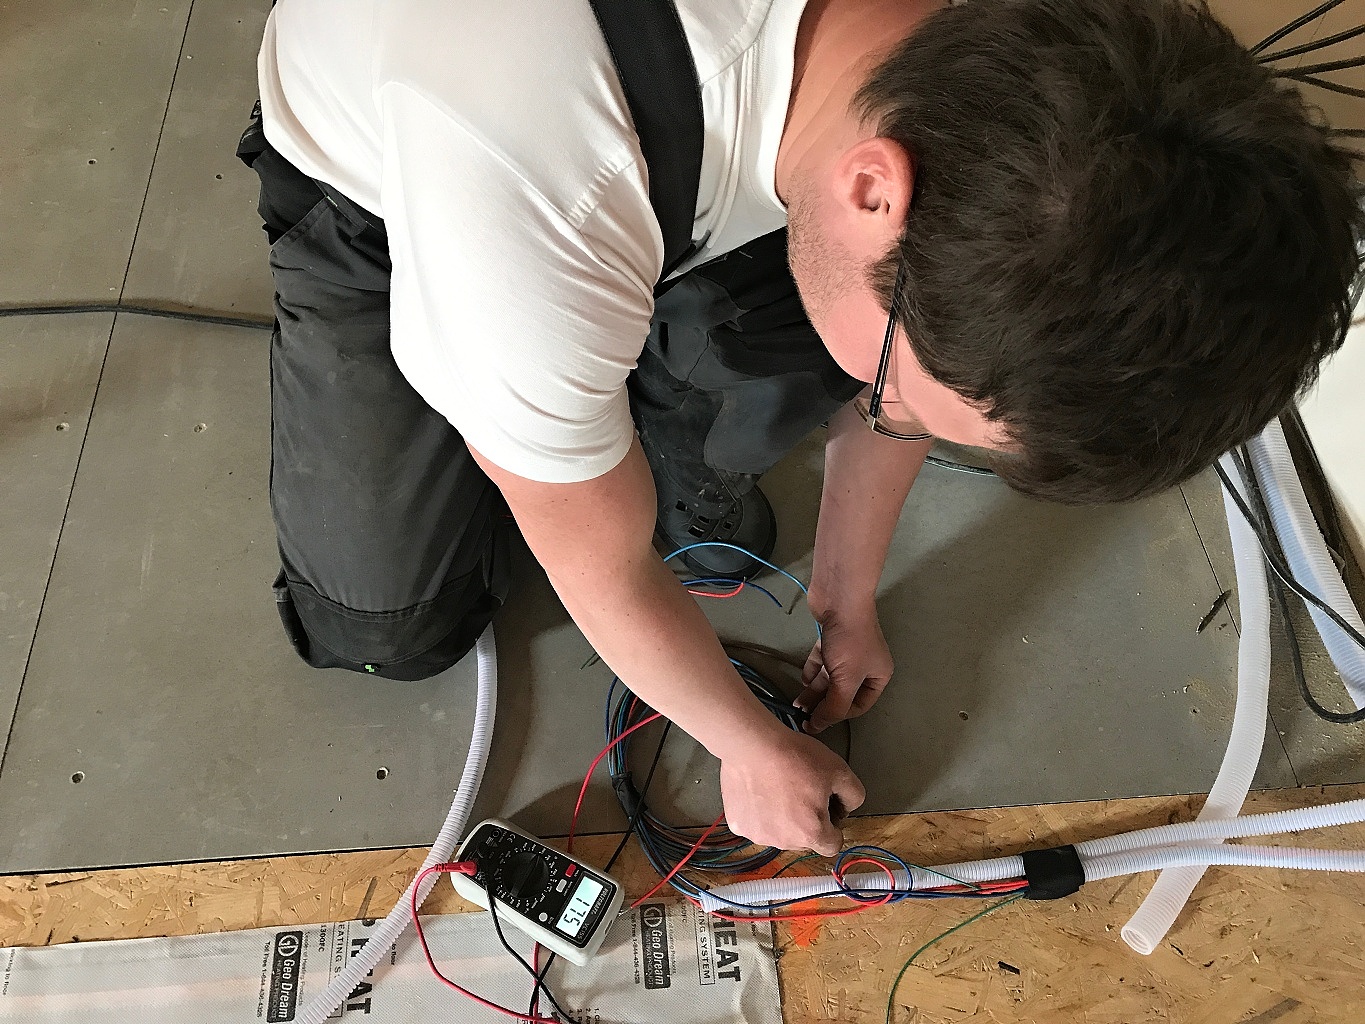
(516, 314)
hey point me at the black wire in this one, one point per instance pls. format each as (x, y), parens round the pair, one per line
(1301, 444)
(665, 844)
(1296, 658)
(166, 312)
(625, 838)
(540, 985)
(1316, 44)
(1295, 25)
(1322, 83)
(635, 817)
(1243, 460)
(1330, 65)
(1283, 571)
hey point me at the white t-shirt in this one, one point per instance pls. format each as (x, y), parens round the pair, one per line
(494, 140)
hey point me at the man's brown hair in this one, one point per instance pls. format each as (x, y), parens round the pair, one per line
(1129, 243)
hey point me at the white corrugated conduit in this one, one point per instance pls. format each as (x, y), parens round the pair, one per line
(485, 706)
(1146, 928)
(1307, 554)
(1097, 856)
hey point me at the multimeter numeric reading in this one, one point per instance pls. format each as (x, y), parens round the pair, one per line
(559, 901)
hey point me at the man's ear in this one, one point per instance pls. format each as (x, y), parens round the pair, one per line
(873, 183)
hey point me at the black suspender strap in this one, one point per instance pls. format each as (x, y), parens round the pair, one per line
(659, 77)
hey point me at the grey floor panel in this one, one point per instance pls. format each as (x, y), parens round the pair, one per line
(48, 373)
(160, 674)
(88, 84)
(200, 241)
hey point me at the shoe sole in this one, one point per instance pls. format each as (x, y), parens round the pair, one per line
(748, 572)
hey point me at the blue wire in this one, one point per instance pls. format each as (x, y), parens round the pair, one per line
(899, 894)
(742, 551)
(879, 854)
(606, 710)
(860, 895)
(761, 561)
(688, 888)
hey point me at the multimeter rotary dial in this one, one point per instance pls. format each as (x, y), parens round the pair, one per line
(523, 878)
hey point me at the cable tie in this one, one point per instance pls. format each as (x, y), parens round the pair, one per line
(1053, 874)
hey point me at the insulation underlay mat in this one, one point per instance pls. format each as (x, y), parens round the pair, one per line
(663, 962)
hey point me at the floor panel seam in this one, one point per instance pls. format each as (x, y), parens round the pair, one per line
(156, 152)
(56, 548)
(1270, 714)
(94, 399)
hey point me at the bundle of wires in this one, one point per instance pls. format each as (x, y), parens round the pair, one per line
(715, 849)
(666, 844)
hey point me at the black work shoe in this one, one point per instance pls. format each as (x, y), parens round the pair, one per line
(718, 514)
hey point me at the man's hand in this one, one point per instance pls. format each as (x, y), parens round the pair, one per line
(786, 792)
(847, 670)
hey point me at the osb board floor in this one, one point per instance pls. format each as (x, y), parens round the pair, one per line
(1254, 946)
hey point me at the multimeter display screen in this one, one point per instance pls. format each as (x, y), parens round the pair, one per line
(580, 903)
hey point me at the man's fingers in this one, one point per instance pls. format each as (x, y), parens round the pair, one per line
(867, 695)
(813, 692)
(835, 705)
(849, 791)
(829, 842)
(815, 663)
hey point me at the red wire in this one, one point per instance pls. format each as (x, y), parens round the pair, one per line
(722, 597)
(573, 822)
(986, 887)
(535, 966)
(843, 870)
(679, 866)
(992, 888)
(578, 805)
(426, 951)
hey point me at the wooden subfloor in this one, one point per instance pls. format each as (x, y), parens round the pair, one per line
(1254, 946)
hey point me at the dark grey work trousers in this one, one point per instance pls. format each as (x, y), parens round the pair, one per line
(394, 544)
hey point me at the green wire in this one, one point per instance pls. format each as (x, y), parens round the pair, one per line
(891, 996)
(920, 867)
(957, 881)
(792, 864)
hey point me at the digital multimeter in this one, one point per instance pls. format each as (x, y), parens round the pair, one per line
(560, 902)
